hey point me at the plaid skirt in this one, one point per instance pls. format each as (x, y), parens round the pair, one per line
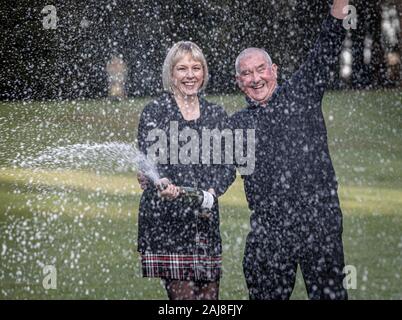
(194, 267)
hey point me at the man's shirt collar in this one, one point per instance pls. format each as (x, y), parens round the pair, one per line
(252, 104)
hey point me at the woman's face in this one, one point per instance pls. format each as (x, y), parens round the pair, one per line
(188, 76)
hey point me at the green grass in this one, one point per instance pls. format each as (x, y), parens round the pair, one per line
(86, 223)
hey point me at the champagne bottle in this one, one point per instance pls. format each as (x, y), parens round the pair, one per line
(202, 199)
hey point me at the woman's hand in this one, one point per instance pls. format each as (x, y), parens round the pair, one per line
(166, 189)
(205, 213)
(211, 190)
(143, 181)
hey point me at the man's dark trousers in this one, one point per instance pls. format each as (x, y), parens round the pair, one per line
(290, 234)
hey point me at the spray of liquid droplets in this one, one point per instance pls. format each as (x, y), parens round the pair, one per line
(101, 157)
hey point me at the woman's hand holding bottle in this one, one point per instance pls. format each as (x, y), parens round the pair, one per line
(166, 189)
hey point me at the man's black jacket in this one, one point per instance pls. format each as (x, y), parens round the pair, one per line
(293, 168)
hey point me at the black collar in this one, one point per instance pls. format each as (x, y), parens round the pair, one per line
(252, 104)
(172, 107)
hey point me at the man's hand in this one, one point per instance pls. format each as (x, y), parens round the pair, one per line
(143, 181)
(337, 9)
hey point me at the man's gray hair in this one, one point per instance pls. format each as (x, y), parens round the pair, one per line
(178, 51)
(248, 52)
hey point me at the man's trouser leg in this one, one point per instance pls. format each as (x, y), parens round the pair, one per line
(322, 264)
(270, 270)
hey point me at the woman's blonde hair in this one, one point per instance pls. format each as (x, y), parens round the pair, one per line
(178, 51)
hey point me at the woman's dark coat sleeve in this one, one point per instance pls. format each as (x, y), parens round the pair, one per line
(222, 175)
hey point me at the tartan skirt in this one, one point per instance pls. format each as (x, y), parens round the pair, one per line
(190, 267)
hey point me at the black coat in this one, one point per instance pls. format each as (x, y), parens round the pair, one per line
(171, 226)
(294, 180)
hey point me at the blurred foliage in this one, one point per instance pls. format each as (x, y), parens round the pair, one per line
(69, 62)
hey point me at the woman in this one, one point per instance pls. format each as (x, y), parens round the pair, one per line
(177, 241)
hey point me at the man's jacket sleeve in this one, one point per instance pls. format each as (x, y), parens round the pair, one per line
(314, 75)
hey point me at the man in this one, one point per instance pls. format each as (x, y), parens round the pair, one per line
(292, 194)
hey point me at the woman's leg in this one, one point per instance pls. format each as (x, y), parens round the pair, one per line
(208, 290)
(181, 290)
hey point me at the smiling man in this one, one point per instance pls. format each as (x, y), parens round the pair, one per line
(295, 213)
(256, 74)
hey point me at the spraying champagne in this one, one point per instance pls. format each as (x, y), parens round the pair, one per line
(202, 199)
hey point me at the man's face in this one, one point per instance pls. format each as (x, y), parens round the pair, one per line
(257, 79)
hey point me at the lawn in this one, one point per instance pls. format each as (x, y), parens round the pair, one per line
(85, 222)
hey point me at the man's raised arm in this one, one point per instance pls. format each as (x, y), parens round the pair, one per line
(313, 76)
(337, 9)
